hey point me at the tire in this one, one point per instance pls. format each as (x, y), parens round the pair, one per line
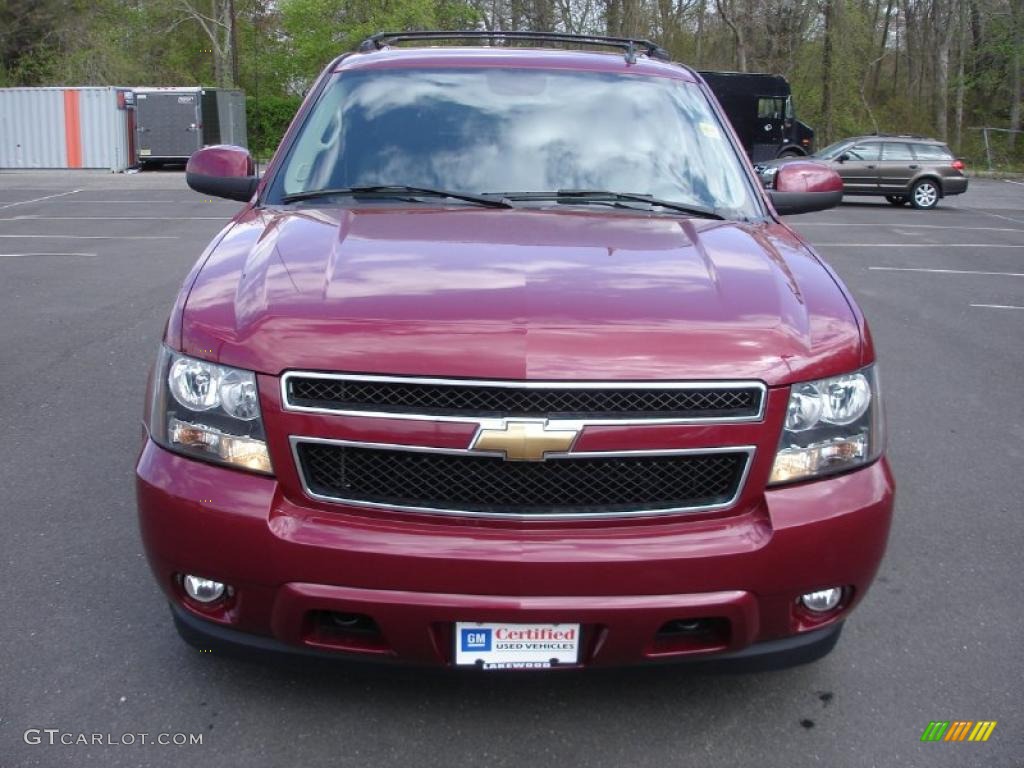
(896, 199)
(791, 153)
(925, 194)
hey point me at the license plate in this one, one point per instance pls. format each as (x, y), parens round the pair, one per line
(516, 646)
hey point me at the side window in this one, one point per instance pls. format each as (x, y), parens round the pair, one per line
(932, 152)
(867, 151)
(896, 151)
(770, 109)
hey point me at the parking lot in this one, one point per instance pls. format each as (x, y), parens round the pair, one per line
(89, 266)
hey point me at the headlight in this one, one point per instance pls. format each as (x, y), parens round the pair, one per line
(832, 425)
(208, 411)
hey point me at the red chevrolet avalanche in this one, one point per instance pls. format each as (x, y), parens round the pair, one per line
(510, 362)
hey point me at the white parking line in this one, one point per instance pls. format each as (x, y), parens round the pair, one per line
(150, 202)
(996, 306)
(1008, 181)
(31, 217)
(18, 255)
(39, 199)
(801, 225)
(945, 271)
(997, 216)
(919, 245)
(94, 237)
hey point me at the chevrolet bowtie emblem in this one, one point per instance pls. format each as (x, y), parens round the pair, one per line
(524, 440)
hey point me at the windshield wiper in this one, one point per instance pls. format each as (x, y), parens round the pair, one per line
(397, 190)
(604, 196)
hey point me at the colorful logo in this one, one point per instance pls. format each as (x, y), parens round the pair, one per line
(958, 730)
(476, 639)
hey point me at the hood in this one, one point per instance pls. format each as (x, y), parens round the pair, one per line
(506, 294)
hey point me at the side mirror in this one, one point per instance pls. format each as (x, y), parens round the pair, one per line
(843, 157)
(803, 186)
(222, 170)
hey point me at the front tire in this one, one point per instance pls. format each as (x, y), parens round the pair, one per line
(896, 199)
(791, 153)
(925, 195)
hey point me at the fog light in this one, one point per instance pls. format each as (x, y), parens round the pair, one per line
(203, 590)
(823, 600)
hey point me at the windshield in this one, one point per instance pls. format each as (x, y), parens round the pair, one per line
(493, 131)
(832, 149)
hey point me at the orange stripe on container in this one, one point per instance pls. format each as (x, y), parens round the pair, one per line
(72, 129)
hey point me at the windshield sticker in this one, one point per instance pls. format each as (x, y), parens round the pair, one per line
(710, 130)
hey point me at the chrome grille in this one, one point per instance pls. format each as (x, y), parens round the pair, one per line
(591, 402)
(592, 484)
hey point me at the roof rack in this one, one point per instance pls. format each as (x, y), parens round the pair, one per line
(900, 136)
(630, 45)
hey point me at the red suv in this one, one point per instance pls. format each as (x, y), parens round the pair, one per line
(508, 361)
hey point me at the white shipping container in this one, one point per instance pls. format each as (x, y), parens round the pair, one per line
(88, 127)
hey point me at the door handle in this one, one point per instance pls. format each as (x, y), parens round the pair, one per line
(914, 167)
(871, 167)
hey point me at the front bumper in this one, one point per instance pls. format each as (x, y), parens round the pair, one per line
(416, 576)
(768, 655)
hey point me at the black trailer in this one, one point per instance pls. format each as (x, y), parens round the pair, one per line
(172, 123)
(760, 108)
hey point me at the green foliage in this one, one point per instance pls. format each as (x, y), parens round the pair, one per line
(284, 44)
(267, 118)
(320, 30)
(106, 42)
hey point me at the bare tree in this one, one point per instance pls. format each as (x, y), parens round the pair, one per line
(730, 14)
(883, 44)
(1016, 62)
(941, 18)
(827, 107)
(961, 85)
(218, 24)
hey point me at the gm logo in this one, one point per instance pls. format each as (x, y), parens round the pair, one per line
(476, 639)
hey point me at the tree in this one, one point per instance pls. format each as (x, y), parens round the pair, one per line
(924, 66)
(828, 42)
(218, 24)
(1016, 62)
(342, 24)
(28, 37)
(728, 10)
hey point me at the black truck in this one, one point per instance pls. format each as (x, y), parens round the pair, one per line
(760, 108)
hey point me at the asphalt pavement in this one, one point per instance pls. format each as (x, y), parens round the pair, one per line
(89, 266)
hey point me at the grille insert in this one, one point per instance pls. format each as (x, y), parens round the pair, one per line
(591, 486)
(475, 399)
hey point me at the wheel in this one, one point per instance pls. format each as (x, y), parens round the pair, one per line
(925, 194)
(896, 199)
(791, 153)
